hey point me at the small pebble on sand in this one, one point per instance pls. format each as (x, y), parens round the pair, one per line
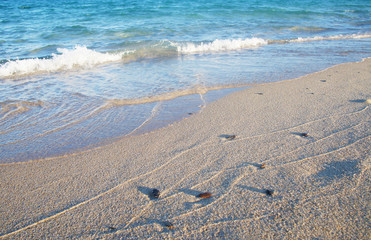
(169, 225)
(269, 192)
(230, 137)
(204, 195)
(155, 193)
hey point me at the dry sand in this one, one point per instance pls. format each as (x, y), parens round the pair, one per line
(321, 182)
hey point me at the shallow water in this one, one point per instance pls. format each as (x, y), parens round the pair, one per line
(76, 74)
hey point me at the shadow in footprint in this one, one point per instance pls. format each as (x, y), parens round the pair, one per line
(338, 170)
(195, 193)
(109, 229)
(267, 192)
(358, 100)
(189, 191)
(227, 136)
(301, 134)
(252, 189)
(202, 201)
(246, 164)
(148, 221)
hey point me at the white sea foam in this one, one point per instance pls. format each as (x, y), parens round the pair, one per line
(335, 37)
(67, 59)
(220, 45)
(248, 43)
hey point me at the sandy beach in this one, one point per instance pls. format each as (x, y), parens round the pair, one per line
(306, 140)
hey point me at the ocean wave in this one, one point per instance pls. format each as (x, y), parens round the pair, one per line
(219, 45)
(335, 37)
(67, 59)
(82, 57)
(321, 38)
(307, 29)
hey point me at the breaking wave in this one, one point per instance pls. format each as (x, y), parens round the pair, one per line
(322, 38)
(66, 59)
(220, 45)
(82, 57)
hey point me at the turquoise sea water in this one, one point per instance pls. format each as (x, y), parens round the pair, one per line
(74, 74)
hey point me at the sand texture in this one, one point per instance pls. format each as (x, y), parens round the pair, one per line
(319, 181)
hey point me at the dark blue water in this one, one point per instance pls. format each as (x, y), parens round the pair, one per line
(77, 73)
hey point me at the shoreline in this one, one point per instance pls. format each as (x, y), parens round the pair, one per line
(163, 114)
(176, 112)
(319, 181)
(105, 124)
